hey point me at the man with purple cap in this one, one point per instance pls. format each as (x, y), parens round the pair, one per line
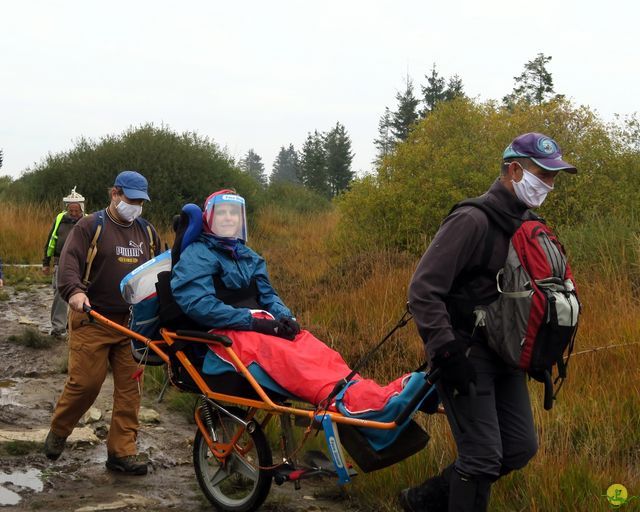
(486, 401)
(100, 250)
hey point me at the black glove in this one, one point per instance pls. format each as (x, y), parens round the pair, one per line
(270, 327)
(289, 327)
(455, 368)
(264, 326)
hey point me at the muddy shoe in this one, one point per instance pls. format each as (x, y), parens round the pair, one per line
(54, 445)
(128, 464)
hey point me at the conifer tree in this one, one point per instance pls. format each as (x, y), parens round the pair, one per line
(338, 157)
(286, 166)
(454, 89)
(253, 166)
(406, 115)
(434, 92)
(534, 85)
(385, 141)
(313, 168)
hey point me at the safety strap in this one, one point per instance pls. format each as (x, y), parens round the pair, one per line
(342, 383)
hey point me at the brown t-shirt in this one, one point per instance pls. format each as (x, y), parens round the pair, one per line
(121, 248)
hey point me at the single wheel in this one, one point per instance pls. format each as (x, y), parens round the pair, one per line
(236, 484)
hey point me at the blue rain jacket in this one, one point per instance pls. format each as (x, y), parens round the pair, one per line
(193, 289)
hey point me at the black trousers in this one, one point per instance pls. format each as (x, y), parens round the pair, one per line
(493, 431)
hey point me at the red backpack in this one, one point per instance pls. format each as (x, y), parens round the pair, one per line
(533, 322)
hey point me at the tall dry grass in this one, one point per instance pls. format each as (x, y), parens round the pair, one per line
(24, 229)
(589, 440)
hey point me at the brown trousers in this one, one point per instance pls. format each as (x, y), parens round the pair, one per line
(91, 347)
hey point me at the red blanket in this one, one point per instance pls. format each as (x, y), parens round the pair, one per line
(307, 368)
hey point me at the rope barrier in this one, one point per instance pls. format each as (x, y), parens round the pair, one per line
(606, 347)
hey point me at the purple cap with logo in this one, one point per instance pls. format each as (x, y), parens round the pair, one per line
(133, 184)
(543, 150)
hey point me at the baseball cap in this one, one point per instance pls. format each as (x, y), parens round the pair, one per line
(543, 150)
(133, 184)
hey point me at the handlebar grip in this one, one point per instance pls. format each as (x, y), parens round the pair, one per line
(206, 336)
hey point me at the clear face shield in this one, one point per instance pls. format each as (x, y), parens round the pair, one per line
(225, 216)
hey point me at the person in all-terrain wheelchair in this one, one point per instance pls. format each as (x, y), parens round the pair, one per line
(223, 285)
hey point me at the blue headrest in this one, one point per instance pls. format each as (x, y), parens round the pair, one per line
(193, 215)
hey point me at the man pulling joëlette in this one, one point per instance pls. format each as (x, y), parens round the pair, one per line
(125, 242)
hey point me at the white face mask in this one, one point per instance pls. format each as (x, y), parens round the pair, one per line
(531, 190)
(128, 212)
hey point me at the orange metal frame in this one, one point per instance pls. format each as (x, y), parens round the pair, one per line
(222, 450)
(265, 403)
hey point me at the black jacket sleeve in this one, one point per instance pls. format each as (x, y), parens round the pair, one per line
(457, 245)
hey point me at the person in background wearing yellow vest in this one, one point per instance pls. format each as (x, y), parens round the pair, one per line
(60, 229)
(101, 249)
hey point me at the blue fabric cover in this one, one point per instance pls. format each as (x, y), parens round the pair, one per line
(215, 366)
(194, 228)
(379, 438)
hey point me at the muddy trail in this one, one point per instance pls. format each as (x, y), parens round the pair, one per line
(31, 380)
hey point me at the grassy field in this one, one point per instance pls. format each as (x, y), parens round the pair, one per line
(588, 441)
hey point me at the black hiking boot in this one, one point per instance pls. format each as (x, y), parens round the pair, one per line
(54, 445)
(430, 496)
(469, 493)
(128, 465)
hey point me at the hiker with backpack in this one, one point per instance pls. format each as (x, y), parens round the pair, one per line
(60, 229)
(482, 312)
(100, 250)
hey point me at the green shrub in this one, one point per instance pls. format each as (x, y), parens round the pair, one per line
(455, 153)
(33, 338)
(180, 168)
(295, 197)
(19, 448)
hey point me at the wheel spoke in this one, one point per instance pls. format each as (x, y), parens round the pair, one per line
(219, 476)
(244, 468)
(236, 482)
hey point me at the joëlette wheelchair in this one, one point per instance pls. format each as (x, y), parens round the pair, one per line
(232, 458)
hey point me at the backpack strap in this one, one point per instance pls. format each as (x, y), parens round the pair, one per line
(145, 225)
(497, 217)
(98, 227)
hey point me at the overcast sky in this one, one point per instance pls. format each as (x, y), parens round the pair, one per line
(262, 74)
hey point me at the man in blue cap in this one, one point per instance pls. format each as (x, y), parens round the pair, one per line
(100, 250)
(494, 430)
